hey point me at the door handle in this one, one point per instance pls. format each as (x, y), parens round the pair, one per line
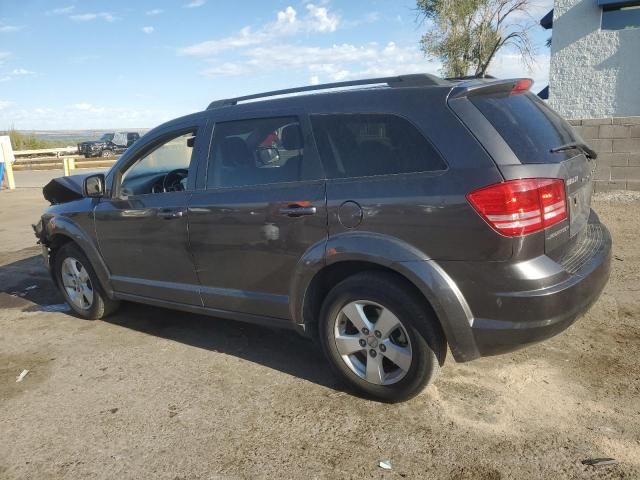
(169, 214)
(297, 210)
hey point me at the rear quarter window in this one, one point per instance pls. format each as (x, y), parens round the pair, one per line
(362, 145)
(528, 126)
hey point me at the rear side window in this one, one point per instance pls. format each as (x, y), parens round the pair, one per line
(256, 152)
(362, 145)
(528, 126)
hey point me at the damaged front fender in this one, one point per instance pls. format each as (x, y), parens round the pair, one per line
(64, 189)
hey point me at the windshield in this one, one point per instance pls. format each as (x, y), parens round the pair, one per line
(107, 137)
(528, 125)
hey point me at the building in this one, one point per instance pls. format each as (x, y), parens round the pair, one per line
(594, 80)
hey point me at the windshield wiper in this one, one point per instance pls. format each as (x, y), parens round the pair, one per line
(583, 147)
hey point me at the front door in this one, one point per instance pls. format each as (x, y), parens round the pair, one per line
(142, 228)
(262, 208)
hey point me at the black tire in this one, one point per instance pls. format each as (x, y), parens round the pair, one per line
(101, 305)
(427, 343)
(107, 154)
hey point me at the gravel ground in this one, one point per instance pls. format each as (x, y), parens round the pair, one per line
(151, 393)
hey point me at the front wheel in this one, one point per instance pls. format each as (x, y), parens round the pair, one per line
(107, 154)
(79, 284)
(380, 337)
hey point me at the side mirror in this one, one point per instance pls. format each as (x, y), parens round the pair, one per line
(94, 186)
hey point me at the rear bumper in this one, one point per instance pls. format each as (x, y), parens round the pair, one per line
(543, 297)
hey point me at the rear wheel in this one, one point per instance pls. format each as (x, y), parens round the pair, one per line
(381, 338)
(79, 284)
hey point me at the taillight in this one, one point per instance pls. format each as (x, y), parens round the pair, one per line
(521, 86)
(518, 207)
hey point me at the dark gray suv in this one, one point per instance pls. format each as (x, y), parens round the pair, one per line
(388, 221)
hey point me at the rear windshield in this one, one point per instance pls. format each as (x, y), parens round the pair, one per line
(528, 126)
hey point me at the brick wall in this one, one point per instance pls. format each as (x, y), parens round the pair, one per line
(617, 141)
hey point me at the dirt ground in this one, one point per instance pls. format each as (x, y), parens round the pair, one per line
(151, 393)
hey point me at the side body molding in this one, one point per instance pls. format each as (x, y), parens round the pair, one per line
(437, 287)
(64, 225)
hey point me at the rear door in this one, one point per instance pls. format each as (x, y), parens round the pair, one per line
(262, 207)
(524, 132)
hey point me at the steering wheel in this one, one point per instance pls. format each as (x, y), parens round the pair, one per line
(173, 180)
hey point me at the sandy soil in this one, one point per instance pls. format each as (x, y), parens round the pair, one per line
(151, 393)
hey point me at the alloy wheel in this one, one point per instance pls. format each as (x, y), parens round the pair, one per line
(373, 342)
(77, 283)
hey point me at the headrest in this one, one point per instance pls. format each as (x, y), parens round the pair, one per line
(292, 137)
(235, 152)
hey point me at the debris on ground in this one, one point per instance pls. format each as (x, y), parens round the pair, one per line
(23, 374)
(597, 462)
(385, 464)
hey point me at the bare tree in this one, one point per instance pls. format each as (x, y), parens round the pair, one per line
(466, 34)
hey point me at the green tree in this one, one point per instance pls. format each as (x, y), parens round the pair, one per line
(465, 35)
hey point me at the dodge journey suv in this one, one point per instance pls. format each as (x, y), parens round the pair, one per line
(389, 219)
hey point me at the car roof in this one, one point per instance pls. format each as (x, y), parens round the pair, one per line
(370, 84)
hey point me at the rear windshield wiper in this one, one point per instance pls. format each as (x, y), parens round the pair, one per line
(583, 147)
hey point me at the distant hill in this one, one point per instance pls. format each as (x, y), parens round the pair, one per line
(75, 136)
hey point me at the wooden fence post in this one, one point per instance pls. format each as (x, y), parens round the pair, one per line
(7, 155)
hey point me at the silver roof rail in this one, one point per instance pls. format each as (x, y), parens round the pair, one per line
(414, 80)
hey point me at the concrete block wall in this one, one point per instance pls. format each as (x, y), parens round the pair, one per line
(617, 141)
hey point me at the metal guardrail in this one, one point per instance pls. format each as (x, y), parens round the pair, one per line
(60, 158)
(49, 163)
(57, 152)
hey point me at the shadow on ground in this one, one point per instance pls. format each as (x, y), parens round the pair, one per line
(26, 284)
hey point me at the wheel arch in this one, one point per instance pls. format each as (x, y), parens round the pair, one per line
(355, 252)
(60, 231)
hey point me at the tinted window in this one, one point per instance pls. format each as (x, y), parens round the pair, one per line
(529, 127)
(358, 145)
(621, 18)
(256, 152)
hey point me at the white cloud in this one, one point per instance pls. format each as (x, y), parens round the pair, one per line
(335, 63)
(155, 11)
(87, 17)
(5, 104)
(195, 3)
(62, 10)
(4, 56)
(322, 21)
(21, 72)
(9, 28)
(87, 107)
(314, 80)
(288, 15)
(148, 30)
(318, 19)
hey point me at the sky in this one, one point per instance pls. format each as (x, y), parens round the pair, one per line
(100, 64)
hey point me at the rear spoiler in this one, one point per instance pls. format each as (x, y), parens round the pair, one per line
(470, 88)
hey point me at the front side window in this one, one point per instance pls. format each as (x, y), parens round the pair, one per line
(256, 152)
(163, 169)
(363, 145)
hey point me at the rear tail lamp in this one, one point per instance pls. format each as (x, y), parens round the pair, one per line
(521, 86)
(519, 207)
